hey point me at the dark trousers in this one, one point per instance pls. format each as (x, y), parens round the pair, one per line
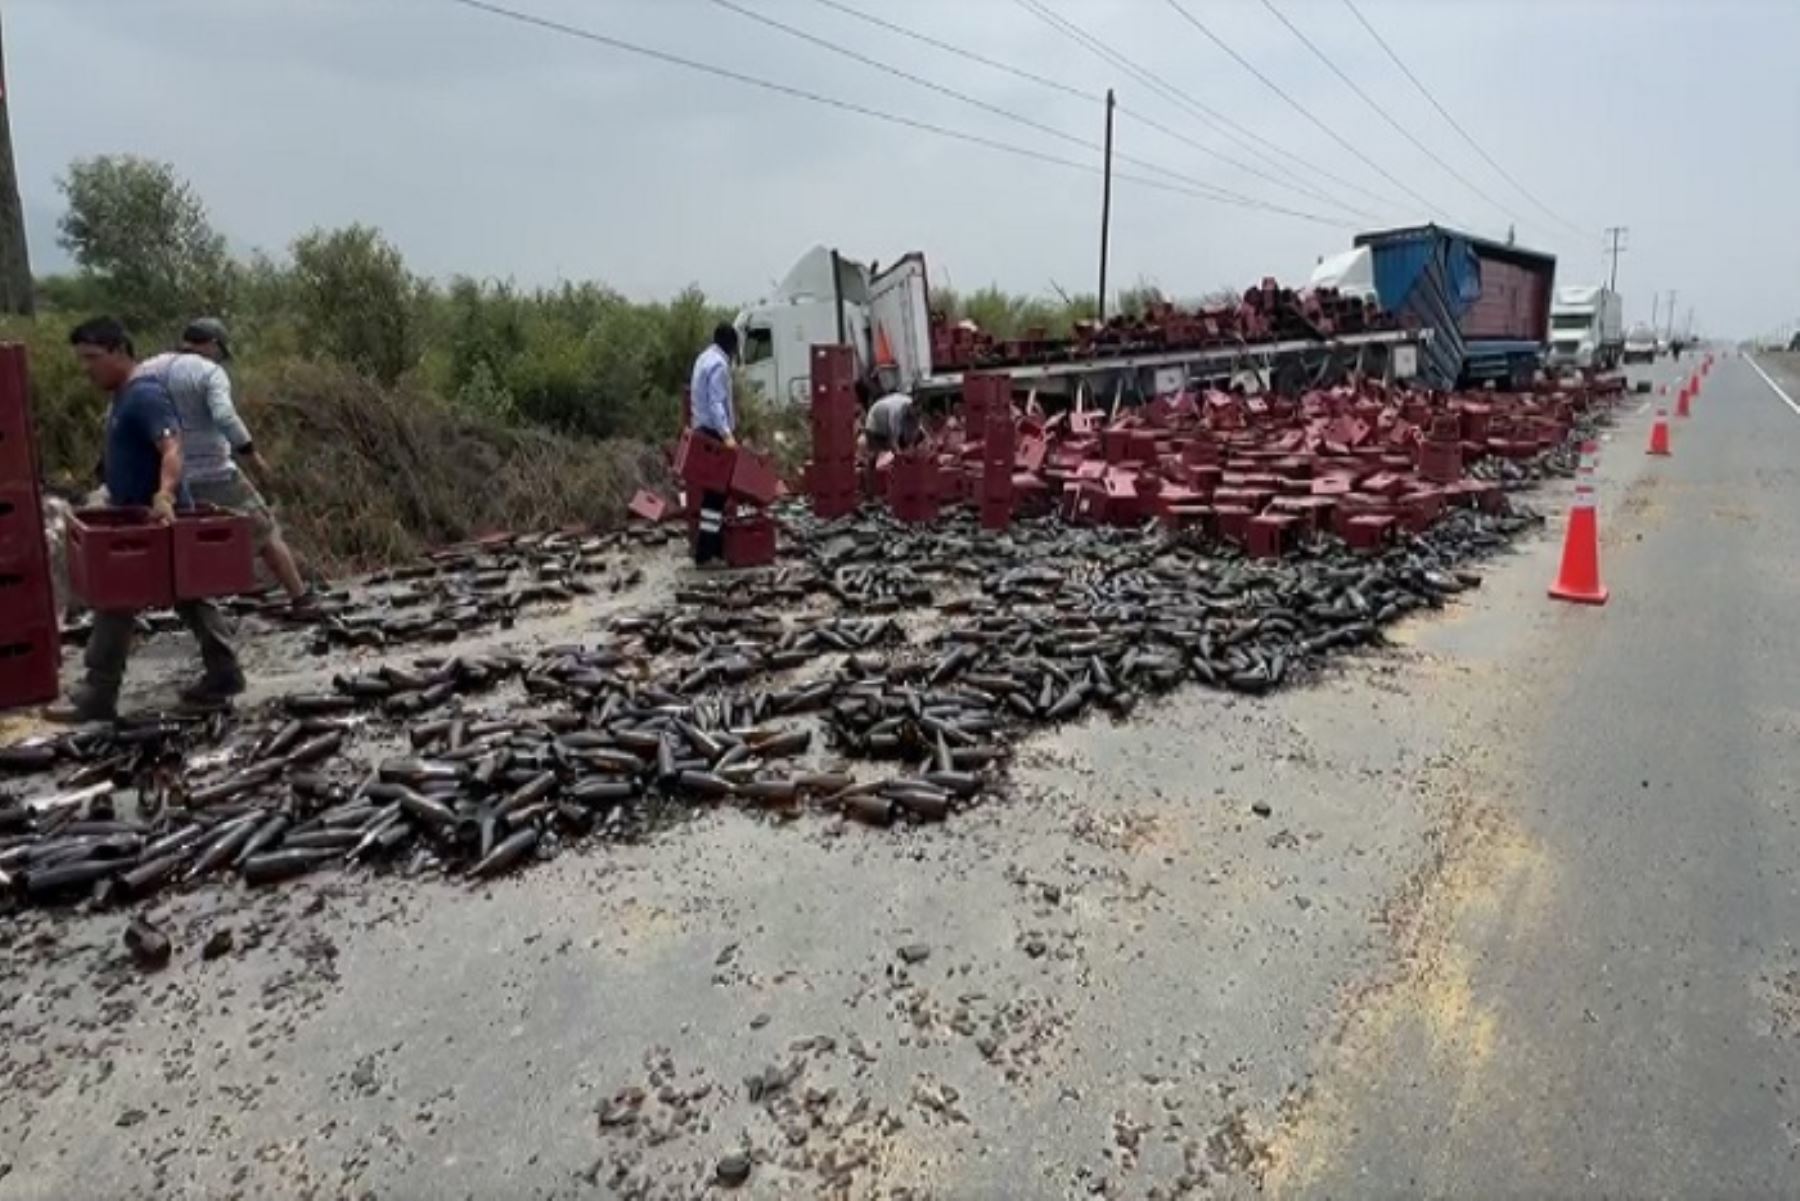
(109, 646)
(709, 538)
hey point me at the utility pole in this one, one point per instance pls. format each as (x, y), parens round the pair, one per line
(15, 266)
(1655, 309)
(1106, 206)
(1672, 295)
(1614, 233)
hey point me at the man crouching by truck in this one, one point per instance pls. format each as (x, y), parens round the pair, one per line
(142, 469)
(713, 416)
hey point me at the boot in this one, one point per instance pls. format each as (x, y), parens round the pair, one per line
(85, 704)
(213, 690)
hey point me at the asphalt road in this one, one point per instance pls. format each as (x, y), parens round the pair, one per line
(1505, 911)
(1608, 1000)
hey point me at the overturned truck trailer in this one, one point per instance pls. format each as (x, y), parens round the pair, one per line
(1486, 304)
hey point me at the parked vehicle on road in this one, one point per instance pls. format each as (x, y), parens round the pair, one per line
(1641, 345)
(1587, 329)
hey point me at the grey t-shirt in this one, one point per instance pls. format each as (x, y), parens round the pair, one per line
(888, 418)
(210, 425)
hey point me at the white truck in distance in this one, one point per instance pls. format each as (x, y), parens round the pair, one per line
(1587, 329)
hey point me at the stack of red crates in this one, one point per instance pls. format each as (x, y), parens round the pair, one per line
(831, 479)
(989, 398)
(29, 648)
(708, 465)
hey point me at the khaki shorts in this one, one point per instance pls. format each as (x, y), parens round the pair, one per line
(240, 496)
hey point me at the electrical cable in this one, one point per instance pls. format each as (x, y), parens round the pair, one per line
(1383, 113)
(1214, 119)
(976, 102)
(1298, 107)
(1091, 97)
(850, 106)
(1444, 113)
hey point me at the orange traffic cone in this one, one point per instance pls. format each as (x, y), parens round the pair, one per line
(1681, 402)
(1659, 434)
(1579, 579)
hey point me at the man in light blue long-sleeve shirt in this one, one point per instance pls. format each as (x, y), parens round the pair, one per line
(713, 415)
(710, 386)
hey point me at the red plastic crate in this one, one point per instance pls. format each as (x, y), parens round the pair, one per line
(214, 554)
(119, 559)
(21, 527)
(996, 513)
(753, 478)
(912, 474)
(26, 597)
(29, 659)
(833, 366)
(750, 541)
(914, 507)
(834, 441)
(829, 505)
(18, 456)
(704, 463)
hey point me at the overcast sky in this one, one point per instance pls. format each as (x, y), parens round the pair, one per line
(486, 147)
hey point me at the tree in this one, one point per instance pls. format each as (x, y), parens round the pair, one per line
(143, 234)
(15, 263)
(356, 301)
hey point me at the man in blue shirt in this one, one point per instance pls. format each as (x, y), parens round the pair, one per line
(714, 416)
(143, 469)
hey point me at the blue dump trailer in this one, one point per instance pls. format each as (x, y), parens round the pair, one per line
(1487, 304)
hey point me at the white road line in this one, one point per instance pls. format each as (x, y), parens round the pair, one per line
(1773, 386)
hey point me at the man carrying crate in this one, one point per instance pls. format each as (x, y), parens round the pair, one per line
(142, 469)
(714, 417)
(213, 441)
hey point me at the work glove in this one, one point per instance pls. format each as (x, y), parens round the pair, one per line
(162, 507)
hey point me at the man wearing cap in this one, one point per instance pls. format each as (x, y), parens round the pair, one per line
(214, 438)
(142, 469)
(714, 416)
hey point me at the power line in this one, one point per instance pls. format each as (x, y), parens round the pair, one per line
(1445, 114)
(1208, 116)
(1385, 115)
(961, 52)
(851, 106)
(1296, 105)
(965, 98)
(1066, 89)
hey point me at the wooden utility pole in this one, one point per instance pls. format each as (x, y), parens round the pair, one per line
(15, 264)
(1105, 206)
(1614, 233)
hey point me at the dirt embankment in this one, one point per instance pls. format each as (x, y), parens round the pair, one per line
(366, 476)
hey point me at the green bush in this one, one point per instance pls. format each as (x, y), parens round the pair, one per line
(141, 234)
(355, 301)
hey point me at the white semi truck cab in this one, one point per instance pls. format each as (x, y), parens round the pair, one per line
(1586, 329)
(826, 298)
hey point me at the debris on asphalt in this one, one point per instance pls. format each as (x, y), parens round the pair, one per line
(149, 947)
(881, 671)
